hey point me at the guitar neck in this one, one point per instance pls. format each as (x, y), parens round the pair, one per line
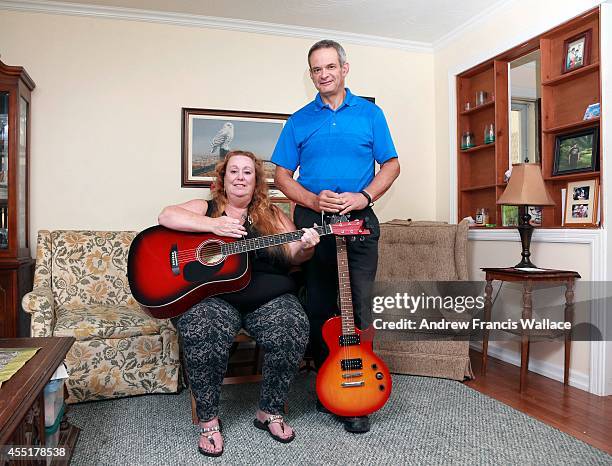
(261, 242)
(344, 284)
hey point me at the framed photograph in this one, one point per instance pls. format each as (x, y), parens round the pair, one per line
(576, 152)
(207, 135)
(536, 215)
(576, 51)
(581, 203)
(510, 215)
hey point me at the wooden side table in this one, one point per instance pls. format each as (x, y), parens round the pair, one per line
(22, 407)
(528, 279)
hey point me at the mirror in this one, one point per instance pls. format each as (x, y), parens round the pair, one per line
(524, 84)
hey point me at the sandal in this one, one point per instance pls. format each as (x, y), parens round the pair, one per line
(208, 432)
(275, 418)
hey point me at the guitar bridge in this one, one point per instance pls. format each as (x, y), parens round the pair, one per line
(174, 262)
(361, 383)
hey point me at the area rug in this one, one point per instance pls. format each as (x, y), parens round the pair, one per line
(426, 421)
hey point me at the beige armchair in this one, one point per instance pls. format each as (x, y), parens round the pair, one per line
(424, 251)
(81, 290)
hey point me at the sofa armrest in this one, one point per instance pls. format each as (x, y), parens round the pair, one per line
(39, 303)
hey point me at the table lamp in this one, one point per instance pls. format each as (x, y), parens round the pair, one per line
(525, 187)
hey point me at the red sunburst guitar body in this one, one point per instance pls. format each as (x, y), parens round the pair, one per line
(353, 380)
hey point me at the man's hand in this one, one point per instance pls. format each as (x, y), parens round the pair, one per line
(329, 201)
(352, 201)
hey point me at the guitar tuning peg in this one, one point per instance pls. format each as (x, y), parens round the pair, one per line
(362, 238)
(353, 238)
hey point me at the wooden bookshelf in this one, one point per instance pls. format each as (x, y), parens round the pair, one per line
(565, 97)
(481, 167)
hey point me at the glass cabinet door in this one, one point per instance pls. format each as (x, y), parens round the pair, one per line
(22, 170)
(4, 121)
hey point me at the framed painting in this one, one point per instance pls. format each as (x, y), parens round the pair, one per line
(207, 135)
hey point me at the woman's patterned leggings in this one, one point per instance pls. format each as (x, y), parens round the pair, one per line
(207, 331)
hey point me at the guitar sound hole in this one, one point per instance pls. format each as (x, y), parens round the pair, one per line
(209, 253)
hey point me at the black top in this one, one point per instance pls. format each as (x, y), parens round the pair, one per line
(269, 274)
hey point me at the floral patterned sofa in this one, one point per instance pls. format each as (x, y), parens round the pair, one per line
(81, 290)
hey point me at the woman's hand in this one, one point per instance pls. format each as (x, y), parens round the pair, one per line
(227, 226)
(310, 238)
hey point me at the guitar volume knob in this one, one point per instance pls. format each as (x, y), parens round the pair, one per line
(379, 375)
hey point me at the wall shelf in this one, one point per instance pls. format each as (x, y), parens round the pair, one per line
(478, 188)
(477, 148)
(568, 127)
(489, 104)
(573, 176)
(572, 75)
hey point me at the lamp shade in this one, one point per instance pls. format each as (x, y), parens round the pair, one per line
(526, 187)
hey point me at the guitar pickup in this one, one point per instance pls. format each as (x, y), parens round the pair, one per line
(351, 375)
(361, 383)
(351, 339)
(174, 262)
(351, 364)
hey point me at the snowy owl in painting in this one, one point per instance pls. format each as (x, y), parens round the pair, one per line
(223, 139)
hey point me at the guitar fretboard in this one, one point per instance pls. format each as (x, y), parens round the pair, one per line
(344, 285)
(251, 244)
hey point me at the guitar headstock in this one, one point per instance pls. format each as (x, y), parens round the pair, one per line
(348, 228)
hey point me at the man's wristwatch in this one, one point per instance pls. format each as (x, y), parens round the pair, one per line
(368, 197)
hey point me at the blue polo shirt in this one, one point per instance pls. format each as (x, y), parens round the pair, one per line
(335, 150)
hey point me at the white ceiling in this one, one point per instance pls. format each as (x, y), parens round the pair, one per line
(423, 21)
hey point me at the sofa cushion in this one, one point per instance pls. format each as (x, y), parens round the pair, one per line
(103, 322)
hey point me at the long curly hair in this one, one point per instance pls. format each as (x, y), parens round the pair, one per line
(264, 215)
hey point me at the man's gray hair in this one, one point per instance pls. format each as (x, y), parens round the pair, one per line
(328, 44)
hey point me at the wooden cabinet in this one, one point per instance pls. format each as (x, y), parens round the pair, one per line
(15, 261)
(564, 99)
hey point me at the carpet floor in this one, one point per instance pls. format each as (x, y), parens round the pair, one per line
(426, 421)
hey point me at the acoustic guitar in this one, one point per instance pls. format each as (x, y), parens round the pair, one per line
(353, 380)
(170, 271)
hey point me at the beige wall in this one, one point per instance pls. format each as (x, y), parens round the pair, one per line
(107, 109)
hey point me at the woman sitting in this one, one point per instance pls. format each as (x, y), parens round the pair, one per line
(266, 308)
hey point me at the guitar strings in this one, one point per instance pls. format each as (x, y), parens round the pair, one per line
(215, 249)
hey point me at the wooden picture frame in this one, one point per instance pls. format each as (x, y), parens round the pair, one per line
(207, 135)
(576, 152)
(581, 203)
(576, 51)
(285, 205)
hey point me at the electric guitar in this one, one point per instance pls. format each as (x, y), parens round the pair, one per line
(352, 381)
(169, 271)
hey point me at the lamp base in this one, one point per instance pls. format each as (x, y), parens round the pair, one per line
(525, 231)
(525, 264)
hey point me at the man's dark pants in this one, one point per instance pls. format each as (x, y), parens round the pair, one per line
(321, 275)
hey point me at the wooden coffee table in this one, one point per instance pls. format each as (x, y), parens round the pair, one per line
(22, 415)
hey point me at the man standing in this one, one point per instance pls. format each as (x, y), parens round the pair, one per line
(335, 140)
